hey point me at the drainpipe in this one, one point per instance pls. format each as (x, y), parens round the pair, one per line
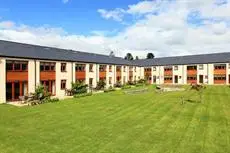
(35, 72)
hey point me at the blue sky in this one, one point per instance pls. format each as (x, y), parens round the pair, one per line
(75, 16)
(163, 27)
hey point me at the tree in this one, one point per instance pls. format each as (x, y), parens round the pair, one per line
(111, 54)
(150, 56)
(129, 57)
(137, 58)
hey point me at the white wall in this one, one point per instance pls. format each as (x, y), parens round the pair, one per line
(3, 80)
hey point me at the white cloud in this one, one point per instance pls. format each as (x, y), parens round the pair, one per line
(6, 24)
(165, 34)
(65, 1)
(116, 14)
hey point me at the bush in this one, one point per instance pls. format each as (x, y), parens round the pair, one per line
(109, 90)
(41, 93)
(79, 88)
(142, 81)
(118, 85)
(131, 83)
(126, 87)
(82, 95)
(100, 85)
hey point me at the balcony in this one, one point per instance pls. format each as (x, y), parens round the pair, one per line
(16, 76)
(191, 81)
(220, 71)
(118, 73)
(48, 75)
(130, 73)
(168, 81)
(80, 75)
(219, 81)
(169, 73)
(191, 72)
(102, 74)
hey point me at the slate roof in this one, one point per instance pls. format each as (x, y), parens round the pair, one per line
(186, 60)
(20, 50)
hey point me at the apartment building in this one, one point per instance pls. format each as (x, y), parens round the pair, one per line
(23, 67)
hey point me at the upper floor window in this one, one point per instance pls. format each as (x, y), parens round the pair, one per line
(80, 68)
(118, 68)
(148, 69)
(124, 68)
(154, 68)
(63, 84)
(135, 69)
(110, 68)
(175, 68)
(220, 67)
(168, 69)
(191, 67)
(63, 67)
(47, 66)
(201, 67)
(90, 67)
(130, 68)
(102, 68)
(16, 65)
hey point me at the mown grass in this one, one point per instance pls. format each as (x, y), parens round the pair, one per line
(120, 123)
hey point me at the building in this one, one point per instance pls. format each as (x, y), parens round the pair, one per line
(24, 66)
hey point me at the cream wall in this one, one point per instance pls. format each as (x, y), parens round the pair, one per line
(31, 76)
(108, 75)
(63, 76)
(179, 73)
(124, 74)
(3, 80)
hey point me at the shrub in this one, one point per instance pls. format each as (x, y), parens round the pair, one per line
(131, 83)
(109, 90)
(142, 81)
(100, 85)
(82, 95)
(118, 85)
(41, 93)
(79, 88)
(126, 87)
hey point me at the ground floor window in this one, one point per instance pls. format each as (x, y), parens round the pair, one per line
(63, 84)
(220, 77)
(90, 82)
(15, 89)
(49, 86)
(192, 78)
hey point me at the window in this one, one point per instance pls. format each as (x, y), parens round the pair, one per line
(154, 68)
(91, 68)
(110, 68)
(102, 68)
(191, 67)
(167, 68)
(47, 66)
(118, 68)
(220, 67)
(63, 67)
(110, 80)
(167, 78)
(175, 68)
(63, 84)
(80, 68)
(130, 68)
(135, 69)
(148, 69)
(16, 65)
(124, 68)
(192, 78)
(220, 77)
(201, 67)
(90, 82)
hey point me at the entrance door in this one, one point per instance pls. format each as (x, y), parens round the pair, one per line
(8, 91)
(176, 78)
(201, 79)
(15, 89)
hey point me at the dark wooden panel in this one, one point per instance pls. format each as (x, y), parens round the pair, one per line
(191, 72)
(80, 75)
(220, 71)
(48, 75)
(102, 74)
(168, 81)
(16, 76)
(168, 73)
(118, 74)
(219, 81)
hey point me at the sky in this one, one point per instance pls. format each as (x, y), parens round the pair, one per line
(163, 27)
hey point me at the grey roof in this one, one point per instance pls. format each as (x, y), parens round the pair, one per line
(186, 60)
(20, 50)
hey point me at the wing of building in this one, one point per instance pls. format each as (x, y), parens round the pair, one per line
(25, 66)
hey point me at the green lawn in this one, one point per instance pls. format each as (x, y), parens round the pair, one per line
(120, 123)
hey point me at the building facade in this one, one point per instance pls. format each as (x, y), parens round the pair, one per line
(23, 67)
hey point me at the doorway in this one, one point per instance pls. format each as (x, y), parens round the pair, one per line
(176, 79)
(201, 79)
(15, 89)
